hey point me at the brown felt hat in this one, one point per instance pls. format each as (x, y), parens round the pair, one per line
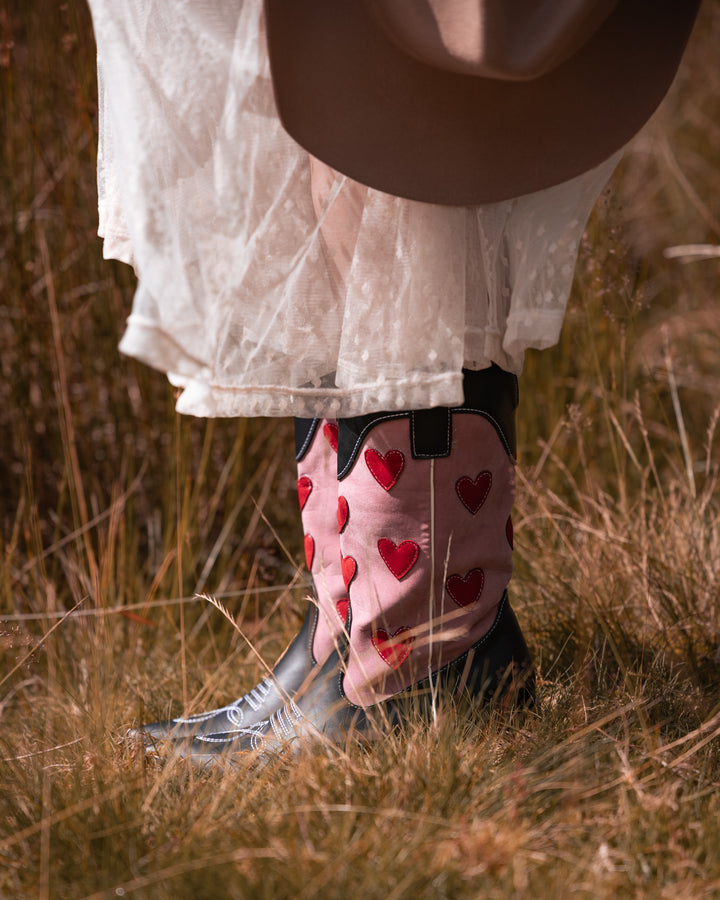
(470, 101)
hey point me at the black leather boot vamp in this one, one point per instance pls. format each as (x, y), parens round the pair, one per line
(289, 673)
(496, 669)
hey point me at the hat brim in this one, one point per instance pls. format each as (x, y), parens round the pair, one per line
(353, 99)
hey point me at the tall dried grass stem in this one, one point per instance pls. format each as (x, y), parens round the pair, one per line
(208, 598)
(117, 505)
(702, 208)
(687, 253)
(69, 443)
(672, 384)
(42, 641)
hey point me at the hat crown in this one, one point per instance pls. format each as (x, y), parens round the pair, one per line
(513, 40)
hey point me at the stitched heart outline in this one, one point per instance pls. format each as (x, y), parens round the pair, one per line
(330, 430)
(385, 468)
(342, 607)
(399, 558)
(304, 488)
(349, 570)
(309, 550)
(393, 652)
(343, 512)
(466, 589)
(473, 492)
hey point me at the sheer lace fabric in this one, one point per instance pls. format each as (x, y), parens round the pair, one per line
(268, 284)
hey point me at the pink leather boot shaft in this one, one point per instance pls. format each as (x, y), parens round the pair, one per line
(427, 550)
(317, 493)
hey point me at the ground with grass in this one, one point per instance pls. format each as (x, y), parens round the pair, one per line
(115, 515)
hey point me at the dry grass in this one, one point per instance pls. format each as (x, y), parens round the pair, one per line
(114, 513)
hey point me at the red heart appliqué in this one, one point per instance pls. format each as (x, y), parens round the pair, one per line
(304, 486)
(473, 494)
(466, 589)
(385, 469)
(393, 651)
(343, 513)
(349, 568)
(342, 608)
(509, 534)
(399, 558)
(309, 550)
(330, 430)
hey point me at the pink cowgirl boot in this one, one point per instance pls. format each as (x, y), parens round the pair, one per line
(316, 446)
(426, 541)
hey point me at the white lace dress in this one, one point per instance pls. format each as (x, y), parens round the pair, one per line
(270, 285)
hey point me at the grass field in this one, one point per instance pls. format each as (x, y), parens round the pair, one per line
(115, 514)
